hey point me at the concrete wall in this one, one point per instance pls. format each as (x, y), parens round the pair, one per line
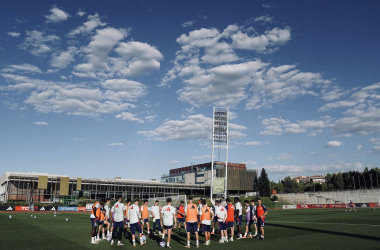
(357, 196)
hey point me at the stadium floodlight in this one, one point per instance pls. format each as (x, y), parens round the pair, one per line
(219, 142)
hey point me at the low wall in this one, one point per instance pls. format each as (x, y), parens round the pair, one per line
(334, 197)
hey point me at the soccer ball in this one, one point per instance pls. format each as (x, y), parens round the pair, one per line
(10, 216)
(67, 219)
(109, 237)
(31, 215)
(162, 244)
(143, 238)
(35, 217)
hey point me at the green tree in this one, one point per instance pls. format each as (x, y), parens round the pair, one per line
(290, 185)
(324, 187)
(280, 187)
(338, 181)
(301, 187)
(264, 184)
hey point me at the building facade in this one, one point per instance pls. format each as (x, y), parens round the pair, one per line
(240, 179)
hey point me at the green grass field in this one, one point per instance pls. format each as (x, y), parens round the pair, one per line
(285, 229)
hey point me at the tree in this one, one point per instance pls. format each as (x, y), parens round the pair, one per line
(264, 184)
(301, 187)
(324, 187)
(290, 185)
(280, 187)
(338, 181)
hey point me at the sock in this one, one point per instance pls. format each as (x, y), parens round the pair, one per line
(245, 234)
(118, 242)
(188, 243)
(163, 236)
(213, 230)
(92, 239)
(167, 243)
(197, 242)
(134, 242)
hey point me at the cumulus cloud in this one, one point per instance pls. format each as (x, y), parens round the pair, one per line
(338, 166)
(13, 34)
(57, 15)
(126, 116)
(64, 58)
(374, 140)
(38, 43)
(81, 13)
(253, 143)
(264, 19)
(192, 127)
(150, 118)
(359, 147)
(93, 22)
(116, 144)
(376, 149)
(333, 144)
(41, 123)
(187, 24)
(279, 126)
(25, 68)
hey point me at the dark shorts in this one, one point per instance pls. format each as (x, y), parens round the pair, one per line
(221, 225)
(239, 220)
(199, 218)
(136, 226)
(191, 225)
(146, 220)
(94, 222)
(181, 220)
(206, 228)
(168, 227)
(101, 222)
(215, 218)
(117, 224)
(230, 224)
(261, 222)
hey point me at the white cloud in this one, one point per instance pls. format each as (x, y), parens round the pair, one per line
(41, 123)
(116, 144)
(13, 34)
(52, 71)
(37, 42)
(64, 58)
(174, 162)
(93, 22)
(129, 117)
(150, 118)
(264, 19)
(279, 126)
(193, 127)
(338, 166)
(284, 156)
(315, 133)
(253, 143)
(312, 124)
(26, 68)
(359, 147)
(188, 23)
(202, 157)
(374, 140)
(57, 15)
(333, 144)
(250, 162)
(81, 13)
(376, 149)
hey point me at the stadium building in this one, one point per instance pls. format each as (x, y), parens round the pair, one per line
(42, 187)
(240, 179)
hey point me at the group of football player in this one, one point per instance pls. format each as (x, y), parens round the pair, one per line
(194, 217)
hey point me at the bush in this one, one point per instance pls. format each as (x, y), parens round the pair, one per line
(274, 198)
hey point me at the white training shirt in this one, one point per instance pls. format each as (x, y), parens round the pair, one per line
(96, 206)
(238, 206)
(155, 212)
(222, 213)
(118, 212)
(107, 208)
(134, 214)
(247, 209)
(206, 222)
(167, 215)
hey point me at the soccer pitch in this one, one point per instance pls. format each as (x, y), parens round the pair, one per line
(285, 229)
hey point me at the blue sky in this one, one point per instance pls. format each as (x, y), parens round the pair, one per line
(126, 88)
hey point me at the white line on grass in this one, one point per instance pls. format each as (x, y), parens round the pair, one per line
(324, 223)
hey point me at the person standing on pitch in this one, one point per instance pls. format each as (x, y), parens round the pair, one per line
(155, 209)
(253, 217)
(352, 206)
(230, 217)
(126, 220)
(168, 215)
(181, 216)
(94, 220)
(247, 220)
(145, 216)
(238, 216)
(216, 207)
(207, 216)
(261, 211)
(222, 224)
(134, 217)
(199, 219)
(191, 213)
(117, 212)
(107, 208)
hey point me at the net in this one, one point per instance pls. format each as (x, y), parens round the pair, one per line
(218, 186)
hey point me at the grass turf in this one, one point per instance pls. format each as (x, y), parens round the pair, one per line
(285, 229)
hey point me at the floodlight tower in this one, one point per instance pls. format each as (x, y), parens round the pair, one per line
(219, 142)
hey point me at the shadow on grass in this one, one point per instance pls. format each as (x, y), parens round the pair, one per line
(326, 232)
